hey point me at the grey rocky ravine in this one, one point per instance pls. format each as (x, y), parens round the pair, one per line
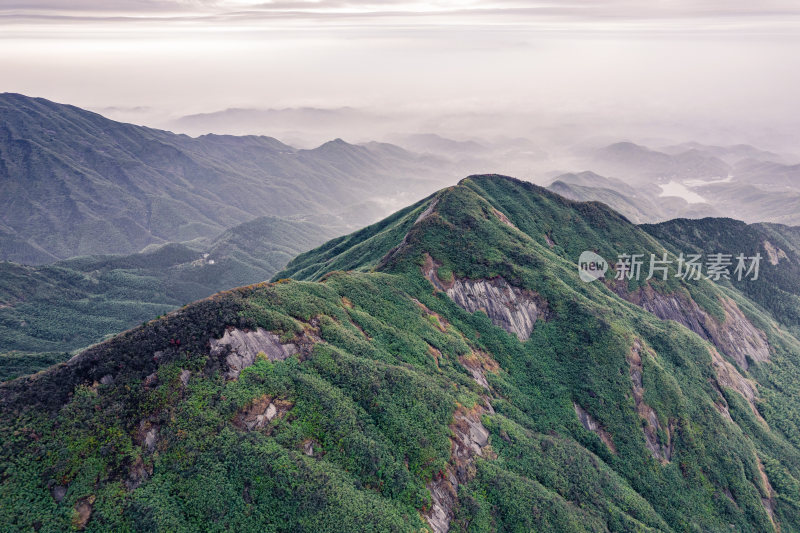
(735, 336)
(469, 440)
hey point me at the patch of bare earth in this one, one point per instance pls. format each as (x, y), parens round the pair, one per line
(594, 426)
(662, 451)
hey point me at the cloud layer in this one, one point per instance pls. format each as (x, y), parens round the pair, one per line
(735, 15)
(707, 65)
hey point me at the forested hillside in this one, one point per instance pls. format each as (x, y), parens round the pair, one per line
(458, 376)
(48, 311)
(777, 288)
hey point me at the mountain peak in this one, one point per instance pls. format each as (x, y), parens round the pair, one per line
(448, 365)
(123, 187)
(492, 203)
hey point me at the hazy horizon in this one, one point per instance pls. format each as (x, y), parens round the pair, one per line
(709, 71)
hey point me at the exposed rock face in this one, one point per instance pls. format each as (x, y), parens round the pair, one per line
(147, 434)
(308, 447)
(769, 500)
(469, 440)
(511, 308)
(151, 438)
(138, 473)
(425, 214)
(150, 381)
(504, 219)
(774, 254)
(58, 492)
(261, 412)
(728, 376)
(736, 337)
(241, 347)
(594, 426)
(662, 451)
(739, 338)
(83, 511)
(478, 363)
(429, 269)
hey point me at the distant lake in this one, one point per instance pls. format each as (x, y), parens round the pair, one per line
(676, 188)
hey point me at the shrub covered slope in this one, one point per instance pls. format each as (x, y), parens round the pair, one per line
(377, 402)
(46, 312)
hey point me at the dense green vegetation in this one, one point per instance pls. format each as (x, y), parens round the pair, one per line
(369, 407)
(777, 288)
(48, 311)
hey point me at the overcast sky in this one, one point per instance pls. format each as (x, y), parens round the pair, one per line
(669, 62)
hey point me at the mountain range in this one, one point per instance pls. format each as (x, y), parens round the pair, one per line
(75, 183)
(690, 180)
(445, 369)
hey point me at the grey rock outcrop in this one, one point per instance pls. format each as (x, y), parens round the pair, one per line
(150, 439)
(594, 426)
(735, 336)
(514, 309)
(261, 412)
(240, 349)
(652, 428)
(468, 441)
(511, 308)
(774, 254)
(729, 377)
(58, 492)
(478, 363)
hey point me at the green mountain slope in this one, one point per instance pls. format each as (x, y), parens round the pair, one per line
(50, 310)
(460, 376)
(75, 183)
(778, 287)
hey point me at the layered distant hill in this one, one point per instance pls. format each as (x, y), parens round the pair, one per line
(690, 180)
(75, 183)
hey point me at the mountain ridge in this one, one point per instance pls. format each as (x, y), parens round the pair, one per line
(49, 311)
(76, 183)
(380, 397)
